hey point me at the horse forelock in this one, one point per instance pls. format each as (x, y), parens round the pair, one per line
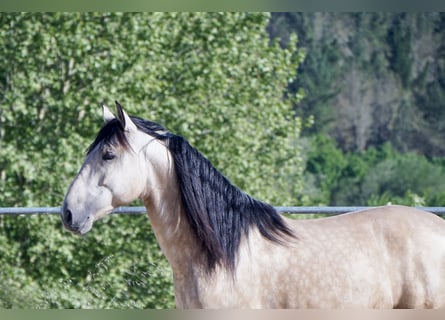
(113, 133)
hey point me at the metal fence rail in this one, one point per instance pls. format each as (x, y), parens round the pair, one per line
(141, 210)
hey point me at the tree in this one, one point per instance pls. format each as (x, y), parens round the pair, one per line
(371, 78)
(213, 77)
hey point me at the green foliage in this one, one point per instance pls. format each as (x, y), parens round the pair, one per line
(119, 265)
(215, 78)
(325, 163)
(375, 177)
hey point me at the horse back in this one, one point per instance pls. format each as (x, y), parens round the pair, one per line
(403, 248)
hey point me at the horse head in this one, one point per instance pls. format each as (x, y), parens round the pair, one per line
(114, 173)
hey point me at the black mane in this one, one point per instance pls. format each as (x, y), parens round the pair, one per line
(218, 212)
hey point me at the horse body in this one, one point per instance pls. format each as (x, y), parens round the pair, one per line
(348, 261)
(227, 249)
(378, 258)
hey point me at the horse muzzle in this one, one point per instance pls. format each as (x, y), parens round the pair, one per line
(76, 225)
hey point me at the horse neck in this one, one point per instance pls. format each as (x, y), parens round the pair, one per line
(173, 232)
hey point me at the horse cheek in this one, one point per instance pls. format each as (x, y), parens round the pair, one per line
(129, 187)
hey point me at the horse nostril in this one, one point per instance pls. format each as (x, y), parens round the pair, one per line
(68, 217)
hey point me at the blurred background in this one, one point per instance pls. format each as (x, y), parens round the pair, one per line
(294, 108)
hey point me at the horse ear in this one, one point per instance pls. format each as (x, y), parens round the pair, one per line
(108, 116)
(124, 119)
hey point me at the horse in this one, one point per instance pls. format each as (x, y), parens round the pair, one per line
(230, 250)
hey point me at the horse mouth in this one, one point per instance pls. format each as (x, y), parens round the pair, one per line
(81, 229)
(86, 227)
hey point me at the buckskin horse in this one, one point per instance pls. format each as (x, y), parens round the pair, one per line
(228, 249)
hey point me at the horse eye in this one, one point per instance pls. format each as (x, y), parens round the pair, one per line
(107, 156)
